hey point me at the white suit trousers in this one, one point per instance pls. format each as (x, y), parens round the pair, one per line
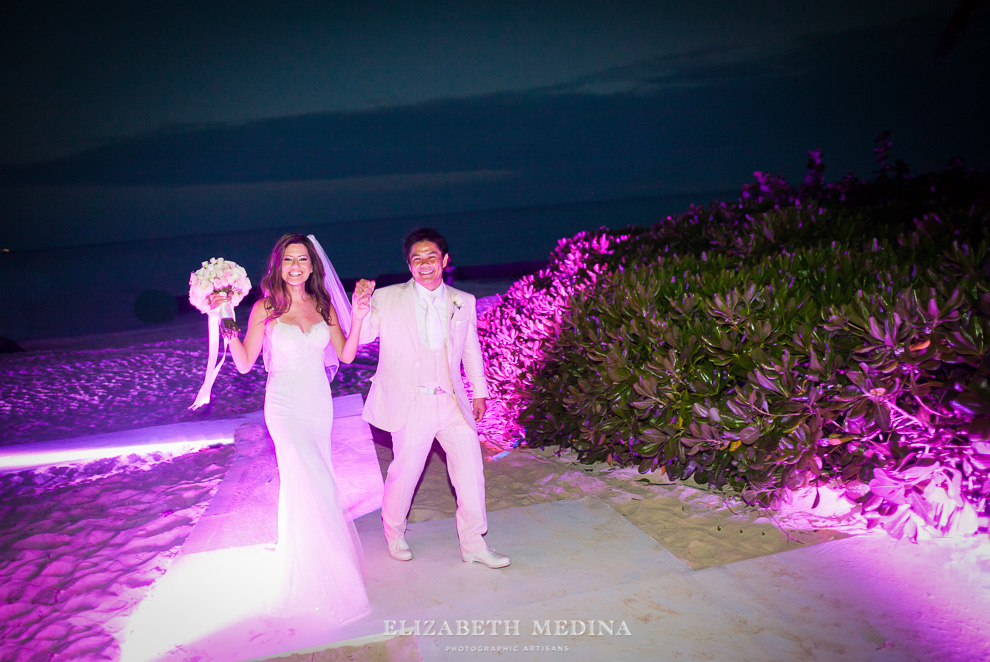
(437, 416)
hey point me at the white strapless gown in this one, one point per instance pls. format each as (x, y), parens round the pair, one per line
(319, 558)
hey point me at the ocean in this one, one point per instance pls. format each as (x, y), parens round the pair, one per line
(114, 287)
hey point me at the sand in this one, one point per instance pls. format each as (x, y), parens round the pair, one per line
(81, 545)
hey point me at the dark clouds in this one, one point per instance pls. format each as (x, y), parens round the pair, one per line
(631, 115)
(698, 117)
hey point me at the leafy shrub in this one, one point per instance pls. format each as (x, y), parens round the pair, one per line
(798, 336)
(513, 333)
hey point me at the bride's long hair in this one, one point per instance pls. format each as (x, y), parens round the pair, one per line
(275, 288)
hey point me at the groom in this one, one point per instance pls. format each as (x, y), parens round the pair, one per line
(427, 330)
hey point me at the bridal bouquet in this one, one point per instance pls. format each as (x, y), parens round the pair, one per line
(216, 276)
(219, 275)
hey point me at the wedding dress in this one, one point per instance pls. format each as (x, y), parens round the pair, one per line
(247, 602)
(318, 554)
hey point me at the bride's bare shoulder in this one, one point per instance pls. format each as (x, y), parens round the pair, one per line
(262, 307)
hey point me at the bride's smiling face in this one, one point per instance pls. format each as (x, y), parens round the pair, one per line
(296, 265)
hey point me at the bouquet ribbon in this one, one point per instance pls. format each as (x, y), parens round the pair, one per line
(212, 367)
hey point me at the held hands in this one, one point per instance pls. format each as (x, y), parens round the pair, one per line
(361, 300)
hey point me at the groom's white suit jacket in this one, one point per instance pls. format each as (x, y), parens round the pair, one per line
(393, 319)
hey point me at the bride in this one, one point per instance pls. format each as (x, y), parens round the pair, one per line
(299, 327)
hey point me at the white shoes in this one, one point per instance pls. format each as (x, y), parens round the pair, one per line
(488, 557)
(399, 550)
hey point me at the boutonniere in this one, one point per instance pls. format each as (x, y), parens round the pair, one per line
(457, 302)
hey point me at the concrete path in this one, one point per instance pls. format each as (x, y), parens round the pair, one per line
(584, 584)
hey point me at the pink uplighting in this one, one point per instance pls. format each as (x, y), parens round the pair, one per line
(207, 602)
(52, 454)
(158, 539)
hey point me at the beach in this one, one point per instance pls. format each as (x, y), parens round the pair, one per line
(83, 542)
(57, 292)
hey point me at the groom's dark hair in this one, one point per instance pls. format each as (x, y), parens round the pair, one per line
(423, 234)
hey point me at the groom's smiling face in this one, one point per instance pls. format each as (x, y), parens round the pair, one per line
(427, 263)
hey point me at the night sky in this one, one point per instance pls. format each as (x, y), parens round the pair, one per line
(137, 120)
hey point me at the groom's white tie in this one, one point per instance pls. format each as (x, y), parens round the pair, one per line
(435, 310)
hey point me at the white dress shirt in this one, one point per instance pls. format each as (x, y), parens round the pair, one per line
(430, 310)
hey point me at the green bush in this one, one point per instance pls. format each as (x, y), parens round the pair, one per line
(827, 334)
